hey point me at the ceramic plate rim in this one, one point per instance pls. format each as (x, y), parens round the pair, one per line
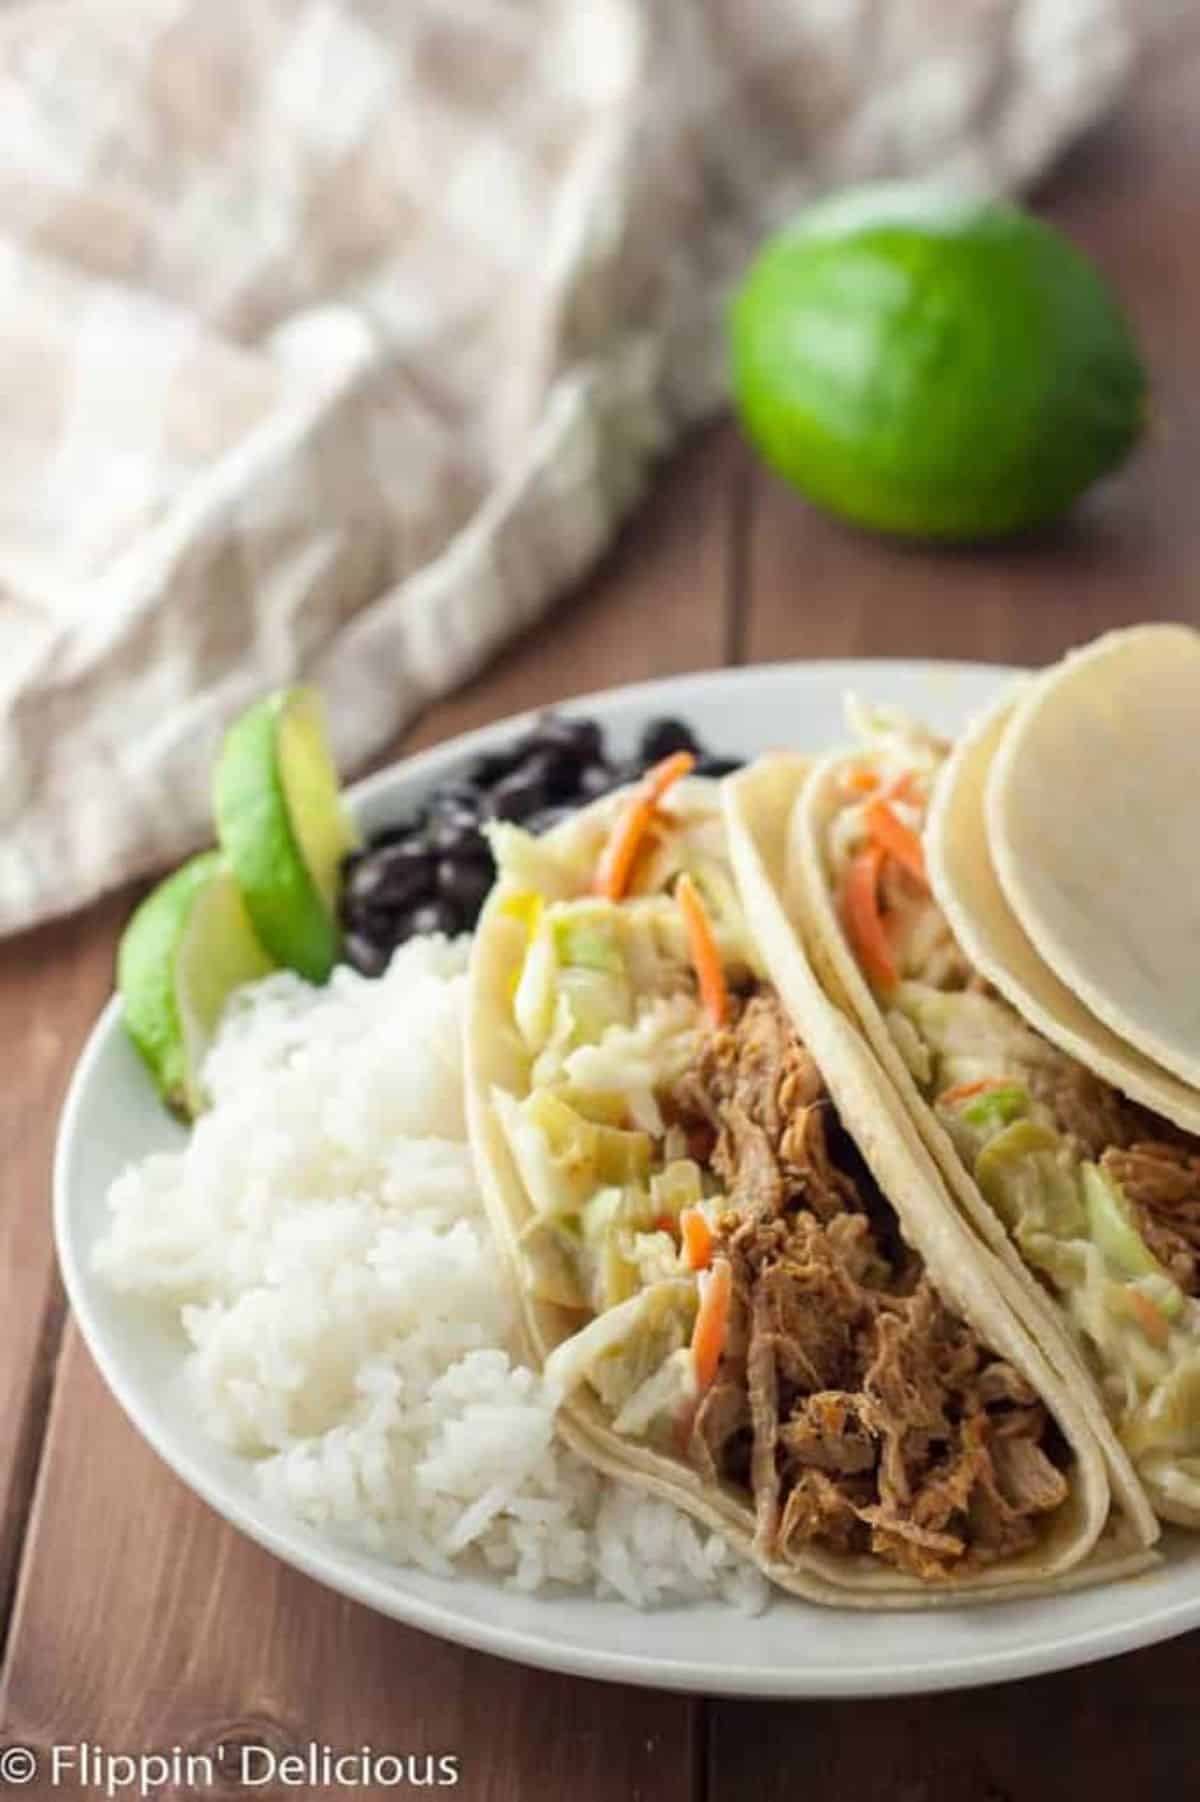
(381, 1586)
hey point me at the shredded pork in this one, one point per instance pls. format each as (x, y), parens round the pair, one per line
(1161, 1182)
(1086, 1109)
(863, 1415)
(1156, 1167)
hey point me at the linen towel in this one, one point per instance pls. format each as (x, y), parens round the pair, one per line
(337, 336)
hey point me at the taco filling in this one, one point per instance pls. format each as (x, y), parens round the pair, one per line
(1100, 1196)
(745, 1298)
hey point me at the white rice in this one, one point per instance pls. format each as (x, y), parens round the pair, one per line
(322, 1244)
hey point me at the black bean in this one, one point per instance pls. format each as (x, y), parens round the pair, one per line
(552, 766)
(662, 737)
(373, 922)
(431, 870)
(400, 833)
(465, 886)
(484, 771)
(456, 800)
(595, 779)
(366, 955)
(458, 836)
(437, 915)
(547, 817)
(390, 874)
(582, 740)
(710, 765)
(522, 793)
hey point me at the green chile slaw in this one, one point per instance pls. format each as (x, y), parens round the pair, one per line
(992, 1082)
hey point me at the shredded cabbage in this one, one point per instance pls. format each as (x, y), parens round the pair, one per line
(606, 1002)
(543, 866)
(1067, 1216)
(620, 1349)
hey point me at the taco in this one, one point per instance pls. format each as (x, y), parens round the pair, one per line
(1091, 804)
(1050, 1131)
(736, 1262)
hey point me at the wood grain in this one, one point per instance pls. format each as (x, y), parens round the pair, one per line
(1130, 196)
(142, 1620)
(648, 611)
(1125, 1728)
(144, 1623)
(52, 983)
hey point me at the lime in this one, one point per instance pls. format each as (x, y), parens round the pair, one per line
(187, 947)
(283, 829)
(932, 365)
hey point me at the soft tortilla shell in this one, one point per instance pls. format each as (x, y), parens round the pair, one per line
(495, 1055)
(1093, 810)
(813, 908)
(965, 882)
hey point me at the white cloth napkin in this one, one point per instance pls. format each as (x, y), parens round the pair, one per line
(336, 336)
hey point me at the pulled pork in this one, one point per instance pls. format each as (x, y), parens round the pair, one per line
(1155, 1165)
(860, 1412)
(1088, 1110)
(1161, 1182)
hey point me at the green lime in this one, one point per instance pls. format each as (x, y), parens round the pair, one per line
(283, 829)
(932, 365)
(187, 947)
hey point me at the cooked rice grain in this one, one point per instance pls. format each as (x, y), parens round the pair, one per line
(321, 1242)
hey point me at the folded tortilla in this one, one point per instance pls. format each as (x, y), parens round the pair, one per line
(1091, 807)
(876, 1427)
(1046, 1127)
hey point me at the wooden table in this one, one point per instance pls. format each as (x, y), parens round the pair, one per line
(133, 1618)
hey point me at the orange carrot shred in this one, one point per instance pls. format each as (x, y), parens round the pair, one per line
(963, 1091)
(662, 776)
(860, 914)
(712, 1321)
(901, 787)
(667, 1223)
(859, 781)
(620, 853)
(698, 1239)
(1149, 1317)
(888, 830)
(706, 957)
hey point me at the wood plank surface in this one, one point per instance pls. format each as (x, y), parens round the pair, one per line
(146, 1623)
(142, 1620)
(1132, 197)
(1107, 1731)
(647, 611)
(52, 984)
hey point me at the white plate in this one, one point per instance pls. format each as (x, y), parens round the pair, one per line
(111, 1117)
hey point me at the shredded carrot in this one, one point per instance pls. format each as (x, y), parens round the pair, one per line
(963, 1091)
(667, 1223)
(662, 776)
(620, 853)
(901, 787)
(888, 830)
(698, 1239)
(860, 913)
(1149, 1316)
(712, 1321)
(859, 781)
(706, 956)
